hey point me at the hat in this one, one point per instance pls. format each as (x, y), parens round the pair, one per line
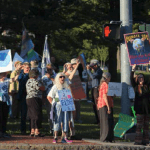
(16, 63)
(106, 75)
(93, 62)
(34, 63)
(74, 61)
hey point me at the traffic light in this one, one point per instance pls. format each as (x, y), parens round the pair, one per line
(111, 31)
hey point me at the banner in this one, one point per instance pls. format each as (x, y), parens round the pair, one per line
(5, 61)
(46, 57)
(27, 44)
(124, 124)
(66, 100)
(16, 58)
(138, 47)
(77, 89)
(114, 89)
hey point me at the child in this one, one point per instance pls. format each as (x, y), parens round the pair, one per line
(5, 101)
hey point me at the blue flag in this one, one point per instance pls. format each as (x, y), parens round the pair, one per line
(27, 43)
(46, 57)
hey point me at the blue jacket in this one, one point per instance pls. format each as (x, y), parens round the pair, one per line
(96, 76)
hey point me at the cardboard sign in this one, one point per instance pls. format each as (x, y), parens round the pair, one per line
(114, 89)
(138, 47)
(77, 89)
(66, 100)
(124, 124)
(5, 61)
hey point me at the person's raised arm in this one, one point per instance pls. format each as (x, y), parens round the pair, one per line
(133, 82)
(74, 71)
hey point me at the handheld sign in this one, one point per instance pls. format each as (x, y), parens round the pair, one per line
(124, 124)
(138, 47)
(77, 89)
(114, 89)
(66, 100)
(5, 61)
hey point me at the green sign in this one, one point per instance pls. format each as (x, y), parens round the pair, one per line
(124, 124)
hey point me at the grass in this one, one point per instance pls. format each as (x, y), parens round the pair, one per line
(85, 130)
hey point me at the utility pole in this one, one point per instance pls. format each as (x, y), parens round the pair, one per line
(126, 27)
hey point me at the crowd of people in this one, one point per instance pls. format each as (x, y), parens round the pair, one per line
(29, 91)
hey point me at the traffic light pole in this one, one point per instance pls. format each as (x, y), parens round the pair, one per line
(126, 27)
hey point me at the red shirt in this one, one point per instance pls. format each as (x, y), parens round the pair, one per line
(103, 90)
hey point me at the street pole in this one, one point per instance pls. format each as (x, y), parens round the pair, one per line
(126, 18)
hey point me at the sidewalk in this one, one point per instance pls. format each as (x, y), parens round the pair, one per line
(45, 143)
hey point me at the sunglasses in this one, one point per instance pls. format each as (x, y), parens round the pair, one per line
(62, 77)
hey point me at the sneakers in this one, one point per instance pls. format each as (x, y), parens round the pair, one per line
(55, 140)
(68, 141)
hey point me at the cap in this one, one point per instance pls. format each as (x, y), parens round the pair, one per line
(74, 61)
(16, 63)
(93, 62)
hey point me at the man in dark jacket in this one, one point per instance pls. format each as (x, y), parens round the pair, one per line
(95, 76)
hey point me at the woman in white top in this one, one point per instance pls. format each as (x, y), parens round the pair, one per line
(61, 118)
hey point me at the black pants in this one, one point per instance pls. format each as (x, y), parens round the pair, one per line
(15, 106)
(4, 109)
(106, 125)
(94, 96)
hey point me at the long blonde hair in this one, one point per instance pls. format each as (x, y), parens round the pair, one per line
(58, 84)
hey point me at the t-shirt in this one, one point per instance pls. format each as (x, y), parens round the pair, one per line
(103, 90)
(54, 94)
(32, 87)
(4, 86)
(48, 83)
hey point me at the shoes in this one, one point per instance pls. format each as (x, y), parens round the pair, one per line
(68, 141)
(32, 134)
(5, 135)
(55, 140)
(39, 135)
(63, 141)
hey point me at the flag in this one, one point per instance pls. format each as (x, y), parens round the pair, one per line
(32, 55)
(46, 57)
(27, 43)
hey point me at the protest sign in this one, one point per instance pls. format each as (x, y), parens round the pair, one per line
(66, 100)
(5, 61)
(138, 47)
(124, 124)
(16, 58)
(114, 89)
(77, 89)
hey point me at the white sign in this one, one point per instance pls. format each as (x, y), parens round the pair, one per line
(17, 58)
(114, 89)
(131, 92)
(5, 61)
(66, 100)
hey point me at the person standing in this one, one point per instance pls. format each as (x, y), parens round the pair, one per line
(5, 101)
(21, 96)
(61, 118)
(48, 80)
(105, 107)
(34, 102)
(141, 107)
(13, 90)
(95, 76)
